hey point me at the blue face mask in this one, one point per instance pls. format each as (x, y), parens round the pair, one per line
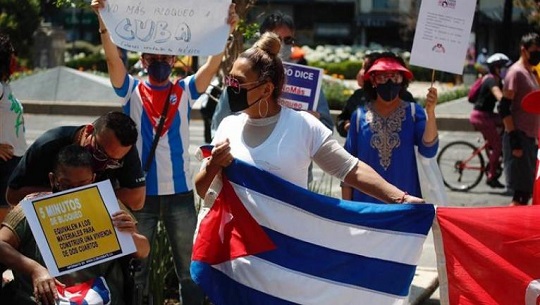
(159, 71)
(388, 91)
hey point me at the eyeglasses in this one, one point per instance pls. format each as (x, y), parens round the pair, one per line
(289, 40)
(234, 83)
(103, 161)
(382, 77)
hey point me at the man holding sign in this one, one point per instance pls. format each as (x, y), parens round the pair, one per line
(161, 109)
(19, 250)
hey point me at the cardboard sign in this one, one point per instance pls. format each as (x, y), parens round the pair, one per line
(442, 34)
(73, 229)
(188, 27)
(302, 86)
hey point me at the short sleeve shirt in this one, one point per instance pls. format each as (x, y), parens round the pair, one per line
(38, 161)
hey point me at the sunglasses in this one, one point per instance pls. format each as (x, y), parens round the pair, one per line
(103, 160)
(236, 85)
(289, 40)
(382, 78)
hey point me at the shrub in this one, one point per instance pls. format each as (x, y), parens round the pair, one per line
(348, 69)
(336, 93)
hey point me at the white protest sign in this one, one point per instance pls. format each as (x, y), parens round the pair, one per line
(73, 229)
(187, 27)
(442, 34)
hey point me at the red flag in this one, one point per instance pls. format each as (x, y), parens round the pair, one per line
(531, 103)
(488, 255)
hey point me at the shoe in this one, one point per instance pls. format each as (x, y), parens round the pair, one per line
(494, 183)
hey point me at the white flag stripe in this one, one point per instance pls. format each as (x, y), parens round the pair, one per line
(288, 220)
(299, 288)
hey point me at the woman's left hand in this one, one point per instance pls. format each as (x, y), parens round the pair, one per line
(431, 100)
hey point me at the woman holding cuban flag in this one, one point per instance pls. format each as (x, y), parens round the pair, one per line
(280, 140)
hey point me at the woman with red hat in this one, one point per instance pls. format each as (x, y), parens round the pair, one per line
(384, 132)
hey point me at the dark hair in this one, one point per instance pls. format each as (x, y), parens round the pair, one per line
(530, 39)
(121, 124)
(265, 61)
(72, 155)
(6, 50)
(276, 20)
(369, 89)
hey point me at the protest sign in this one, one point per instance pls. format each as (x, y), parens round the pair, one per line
(302, 86)
(442, 35)
(189, 27)
(73, 229)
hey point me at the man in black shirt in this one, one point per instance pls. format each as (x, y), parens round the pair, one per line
(110, 140)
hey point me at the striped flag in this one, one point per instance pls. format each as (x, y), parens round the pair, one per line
(267, 241)
(488, 256)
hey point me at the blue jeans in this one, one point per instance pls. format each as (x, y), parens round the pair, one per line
(177, 212)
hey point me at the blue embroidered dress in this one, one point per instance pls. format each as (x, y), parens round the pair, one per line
(387, 145)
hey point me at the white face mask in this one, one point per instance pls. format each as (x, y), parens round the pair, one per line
(285, 52)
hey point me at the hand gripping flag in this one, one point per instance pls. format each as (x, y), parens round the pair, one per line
(488, 256)
(267, 241)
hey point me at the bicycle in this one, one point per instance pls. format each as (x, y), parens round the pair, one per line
(462, 165)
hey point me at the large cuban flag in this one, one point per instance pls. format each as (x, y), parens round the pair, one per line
(267, 241)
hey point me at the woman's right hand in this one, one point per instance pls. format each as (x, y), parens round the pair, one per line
(221, 154)
(6, 151)
(97, 5)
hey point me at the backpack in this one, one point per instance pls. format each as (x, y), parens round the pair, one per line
(474, 91)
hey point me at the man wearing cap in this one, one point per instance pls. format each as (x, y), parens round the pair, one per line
(384, 132)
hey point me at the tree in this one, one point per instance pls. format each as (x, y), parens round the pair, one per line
(20, 19)
(531, 9)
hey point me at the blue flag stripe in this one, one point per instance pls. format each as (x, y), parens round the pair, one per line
(375, 274)
(419, 216)
(223, 290)
(292, 221)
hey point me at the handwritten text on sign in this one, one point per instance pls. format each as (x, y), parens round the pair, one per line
(189, 27)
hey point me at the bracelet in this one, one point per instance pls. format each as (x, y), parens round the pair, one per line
(402, 199)
(102, 31)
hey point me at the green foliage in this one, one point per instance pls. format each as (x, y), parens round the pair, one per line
(20, 19)
(71, 3)
(336, 93)
(249, 30)
(347, 68)
(450, 95)
(161, 266)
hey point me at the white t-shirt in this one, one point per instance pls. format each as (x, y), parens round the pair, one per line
(11, 120)
(287, 152)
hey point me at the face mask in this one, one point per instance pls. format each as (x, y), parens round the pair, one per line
(534, 58)
(388, 91)
(238, 100)
(285, 52)
(159, 71)
(502, 73)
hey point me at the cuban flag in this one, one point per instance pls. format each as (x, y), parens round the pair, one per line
(488, 256)
(92, 292)
(267, 241)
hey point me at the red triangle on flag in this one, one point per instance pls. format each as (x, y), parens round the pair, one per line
(229, 231)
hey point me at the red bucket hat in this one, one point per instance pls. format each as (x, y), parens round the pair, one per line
(388, 64)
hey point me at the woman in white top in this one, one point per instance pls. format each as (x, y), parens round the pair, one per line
(280, 140)
(12, 139)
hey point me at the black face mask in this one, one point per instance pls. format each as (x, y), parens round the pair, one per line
(388, 91)
(534, 58)
(159, 71)
(238, 100)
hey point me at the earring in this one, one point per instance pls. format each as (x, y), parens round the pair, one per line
(267, 108)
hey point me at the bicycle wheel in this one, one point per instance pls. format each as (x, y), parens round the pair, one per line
(461, 168)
